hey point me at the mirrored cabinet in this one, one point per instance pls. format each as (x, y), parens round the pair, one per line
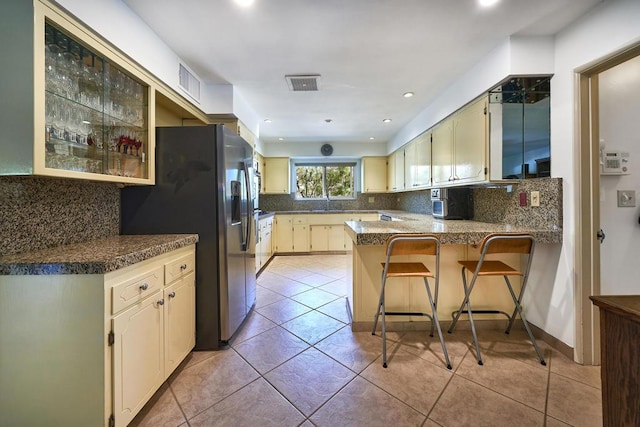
(520, 133)
(91, 107)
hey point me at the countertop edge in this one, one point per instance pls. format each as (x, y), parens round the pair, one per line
(94, 257)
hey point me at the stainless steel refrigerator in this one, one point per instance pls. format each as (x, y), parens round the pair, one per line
(204, 178)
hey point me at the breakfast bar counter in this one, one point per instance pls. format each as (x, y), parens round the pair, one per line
(459, 241)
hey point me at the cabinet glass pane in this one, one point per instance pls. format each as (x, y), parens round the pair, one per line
(95, 113)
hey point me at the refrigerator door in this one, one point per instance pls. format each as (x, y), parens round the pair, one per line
(239, 275)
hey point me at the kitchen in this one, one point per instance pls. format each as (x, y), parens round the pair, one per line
(42, 207)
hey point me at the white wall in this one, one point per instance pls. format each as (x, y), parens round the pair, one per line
(115, 22)
(609, 27)
(620, 128)
(344, 150)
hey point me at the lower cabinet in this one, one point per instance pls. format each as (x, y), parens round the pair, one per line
(91, 349)
(264, 244)
(316, 232)
(152, 337)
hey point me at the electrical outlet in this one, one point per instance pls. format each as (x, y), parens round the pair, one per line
(372, 199)
(535, 198)
(626, 198)
(523, 199)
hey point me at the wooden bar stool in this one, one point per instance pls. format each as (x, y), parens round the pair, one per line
(498, 244)
(410, 244)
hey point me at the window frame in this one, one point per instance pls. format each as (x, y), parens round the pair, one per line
(354, 163)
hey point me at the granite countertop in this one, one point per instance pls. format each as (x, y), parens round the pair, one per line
(324, 211)
(449, 231)
(93, 257)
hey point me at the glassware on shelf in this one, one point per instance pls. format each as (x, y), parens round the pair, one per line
(95, 113)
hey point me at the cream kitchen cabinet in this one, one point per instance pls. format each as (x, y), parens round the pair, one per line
(80, 109)
(276, 175)
(395, 172)
(109, 340)
(417, 169)
(459, 146)
(327, 238)
(374, 174)
(264, 245)
(292, 234)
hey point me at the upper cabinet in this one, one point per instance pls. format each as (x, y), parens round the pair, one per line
(417, 165)
(78, 109)
(459, 146)
(374, 174)
(520, 136)
(275, 175)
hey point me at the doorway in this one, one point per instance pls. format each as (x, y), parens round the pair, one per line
(596, 193)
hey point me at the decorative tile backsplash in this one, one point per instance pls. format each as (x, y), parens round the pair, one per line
(37, 213)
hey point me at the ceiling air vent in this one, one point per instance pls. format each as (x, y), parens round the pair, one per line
(189, 83)
(303, 82)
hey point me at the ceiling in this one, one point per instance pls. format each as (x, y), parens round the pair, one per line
(367, 52)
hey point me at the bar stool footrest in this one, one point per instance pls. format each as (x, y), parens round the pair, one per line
(455, 313)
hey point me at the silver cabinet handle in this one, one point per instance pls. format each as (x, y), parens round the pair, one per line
(172, 294)
(161, 302)
(183, 267)
(144, 287)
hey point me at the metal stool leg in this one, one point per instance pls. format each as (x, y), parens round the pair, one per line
(464, 302)
(470, 311)
(437, 323)
(524, 321)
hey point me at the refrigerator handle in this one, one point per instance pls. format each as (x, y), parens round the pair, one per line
(247, 186)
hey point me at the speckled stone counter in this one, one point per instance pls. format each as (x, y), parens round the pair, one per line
(93, 257)
(449, 231)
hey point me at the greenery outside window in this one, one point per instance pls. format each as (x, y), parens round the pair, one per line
(325, 180)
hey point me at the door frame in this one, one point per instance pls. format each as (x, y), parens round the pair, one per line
(587, 202)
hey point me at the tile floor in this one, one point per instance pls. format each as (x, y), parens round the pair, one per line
(297, 363)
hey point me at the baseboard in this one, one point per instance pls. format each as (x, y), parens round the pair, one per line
(552, 341)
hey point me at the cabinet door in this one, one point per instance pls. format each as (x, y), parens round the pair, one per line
(319, 238)
(179, 321)
(265, 243)
(410, 165)
(391, 172)
(96, 111)
(399, 170)
(470, 143)
(284, 234)
(138, 356)
(336, 238)
(442, 153)
(374, 174)
(423, 160)
(300, 238)
(275, 175)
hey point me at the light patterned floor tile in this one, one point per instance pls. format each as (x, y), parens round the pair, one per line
(254, 325)
(361, 403)
(313, 326)
(309, 379)
(336, 309)
(206, 383)
(257, 404)
(282, 311)
(162, 410)
(573, 402)
(314, 298)
(271, 348)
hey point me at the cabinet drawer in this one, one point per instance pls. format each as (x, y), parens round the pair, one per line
(179, 267)
(135, 289)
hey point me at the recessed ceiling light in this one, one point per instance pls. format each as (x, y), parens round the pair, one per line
(372, 138)
(408, 94)
(487, 3)
(244, 3)
(267, 120)
(386, 120)
(280, 139)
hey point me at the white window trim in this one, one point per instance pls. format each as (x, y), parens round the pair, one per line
(322, 161)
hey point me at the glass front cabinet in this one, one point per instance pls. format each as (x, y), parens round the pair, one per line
(92, 107)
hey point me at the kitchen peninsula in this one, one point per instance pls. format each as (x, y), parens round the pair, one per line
(459, 240)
